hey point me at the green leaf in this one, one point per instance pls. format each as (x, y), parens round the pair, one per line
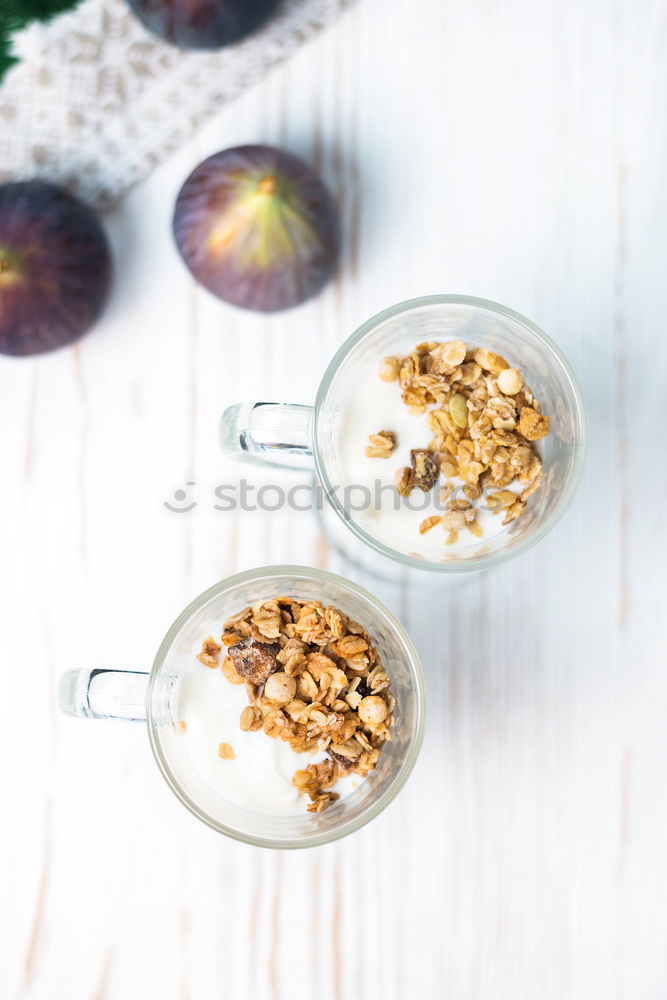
(15, 14)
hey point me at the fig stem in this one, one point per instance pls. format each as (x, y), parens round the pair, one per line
(268, 184)
(8, 261)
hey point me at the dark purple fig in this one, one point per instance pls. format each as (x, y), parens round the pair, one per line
(203, 24)
(55, 268)
(258, 228)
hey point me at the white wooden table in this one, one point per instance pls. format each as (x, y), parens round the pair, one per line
(514, 150)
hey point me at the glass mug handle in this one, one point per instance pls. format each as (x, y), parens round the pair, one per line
(269, 433)
(104, 694)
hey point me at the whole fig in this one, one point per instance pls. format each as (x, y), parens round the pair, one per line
(258, 228)
(55, 268)
(203, 24)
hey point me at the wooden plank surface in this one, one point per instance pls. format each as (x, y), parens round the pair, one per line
(513, 150)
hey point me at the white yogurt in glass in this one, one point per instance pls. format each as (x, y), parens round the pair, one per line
(260, 776)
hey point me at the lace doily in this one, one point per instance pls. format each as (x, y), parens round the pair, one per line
(96, 102)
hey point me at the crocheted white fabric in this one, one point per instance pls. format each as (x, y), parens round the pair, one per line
(96, 101)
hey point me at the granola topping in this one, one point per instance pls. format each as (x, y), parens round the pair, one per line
(318, 686)
(484, 423)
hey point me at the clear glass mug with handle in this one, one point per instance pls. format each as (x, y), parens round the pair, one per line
(299, 436)
(153, 698)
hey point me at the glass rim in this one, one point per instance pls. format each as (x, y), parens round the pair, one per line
(482, 562)
(413, 664)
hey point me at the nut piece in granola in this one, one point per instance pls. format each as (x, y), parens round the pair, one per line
(425, 469)
(255, 661)
(373, 710)
(510, 381)
(280, 687)
(225, 751)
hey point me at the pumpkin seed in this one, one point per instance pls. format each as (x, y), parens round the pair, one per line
(458, 410)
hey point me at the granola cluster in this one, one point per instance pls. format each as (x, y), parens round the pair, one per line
(314, 680)
(484, 420)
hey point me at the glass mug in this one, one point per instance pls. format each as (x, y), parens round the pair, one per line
(296, 436)
(153, 698)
